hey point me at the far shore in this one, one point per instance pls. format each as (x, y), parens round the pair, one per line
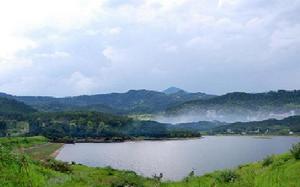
(120, 140)
(131, 139)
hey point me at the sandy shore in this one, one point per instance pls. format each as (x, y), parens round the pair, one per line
(56, 152)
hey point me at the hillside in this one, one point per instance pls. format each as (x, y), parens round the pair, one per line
(133, 101)
(282, 170)
(11, 106)
(88, 126)
(287, 126)
(240, 106)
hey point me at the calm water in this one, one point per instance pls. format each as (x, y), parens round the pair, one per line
(175, 159)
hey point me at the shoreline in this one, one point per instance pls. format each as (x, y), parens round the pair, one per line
(57, 151)
(259, 135)
(105, 140)
(122, 140)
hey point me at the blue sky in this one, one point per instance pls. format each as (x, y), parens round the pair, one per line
(73, 47)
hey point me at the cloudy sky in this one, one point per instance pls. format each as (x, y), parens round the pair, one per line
(73, 47)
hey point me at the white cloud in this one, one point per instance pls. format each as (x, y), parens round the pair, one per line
(169, 47)
(285, 37)
(19, 18)
(115, 30)
(109, 53)
(80, 83)
(56, 54)
(55, 47)
(203, 42)
(224, 3)
(10, 44)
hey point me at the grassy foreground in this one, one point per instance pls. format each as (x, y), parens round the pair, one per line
(26, 162)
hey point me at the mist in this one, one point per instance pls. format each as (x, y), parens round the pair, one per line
(214, 115)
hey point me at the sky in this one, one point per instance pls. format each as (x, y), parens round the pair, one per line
(75, 47)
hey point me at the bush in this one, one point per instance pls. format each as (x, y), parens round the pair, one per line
(227, 176)
(58, 166)
(268, 161)
(295, 150)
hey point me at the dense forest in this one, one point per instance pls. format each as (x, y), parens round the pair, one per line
(67, 126)
(287, 126)
(16, 119)
(11, 106)
(253, 101)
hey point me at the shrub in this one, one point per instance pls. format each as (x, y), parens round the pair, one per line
(227, 176)
(58, 166)
(295, 150)
(268, 161)
(278, 163)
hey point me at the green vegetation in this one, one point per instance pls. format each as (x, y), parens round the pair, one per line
(18, 119)
(268, 161)
(11, 106)
(131, 102)
(86, 125)
(43, 151)
(28, 161)
(22, 142)
(296, 151)
(290, 99)
(283, 171)
(21, 169)
(287, 126)
(227, 176)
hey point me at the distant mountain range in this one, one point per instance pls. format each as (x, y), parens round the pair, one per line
(175, 105)
(131, 102)
(237, 106)
(18, 115)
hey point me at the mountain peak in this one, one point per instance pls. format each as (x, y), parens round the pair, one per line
(173, 90)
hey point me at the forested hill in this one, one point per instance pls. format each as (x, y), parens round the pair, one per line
(71, 126)
(287, 126)
(271, 98)
(17, 118)
(133, 101)
(11, 106)
(239, 106)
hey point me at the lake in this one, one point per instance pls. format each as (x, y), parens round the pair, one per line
(176, 158)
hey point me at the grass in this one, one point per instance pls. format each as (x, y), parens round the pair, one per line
(283, 171)
(37, 147)
(43, 151)
(22, 142)
(23, 169)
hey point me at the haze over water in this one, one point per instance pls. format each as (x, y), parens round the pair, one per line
(175, 159)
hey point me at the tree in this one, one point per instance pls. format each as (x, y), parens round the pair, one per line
(3, 128)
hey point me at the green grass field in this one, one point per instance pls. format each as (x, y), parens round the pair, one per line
(33, 167)
(283, 170)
